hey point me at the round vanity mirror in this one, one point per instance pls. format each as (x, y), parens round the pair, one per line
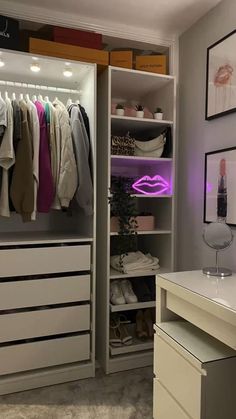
(218, 236)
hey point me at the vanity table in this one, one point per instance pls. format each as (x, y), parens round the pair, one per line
(195, 347)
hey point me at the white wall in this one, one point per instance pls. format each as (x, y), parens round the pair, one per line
(198, 136)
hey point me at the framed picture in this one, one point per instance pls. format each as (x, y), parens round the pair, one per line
(220, 186)
(221, 77)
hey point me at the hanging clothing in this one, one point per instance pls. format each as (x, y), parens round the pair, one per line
(54, 137)
(22, 186)
(84, 192)
(7, 159)
(45, 190)
(35, 132)
(68, 177)
(3, 117)
(16, 138)
(86, 123)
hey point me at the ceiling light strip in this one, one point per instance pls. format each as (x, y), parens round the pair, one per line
(39, 87)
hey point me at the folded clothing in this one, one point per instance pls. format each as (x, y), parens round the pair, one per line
(134, 261)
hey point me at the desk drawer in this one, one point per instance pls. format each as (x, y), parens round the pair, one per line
(165, 407)
(44, 260)
(34, 355)
(45, 291)
(178, 376)
(38, 323)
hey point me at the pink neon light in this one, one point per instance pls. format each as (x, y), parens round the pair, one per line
(157, 183)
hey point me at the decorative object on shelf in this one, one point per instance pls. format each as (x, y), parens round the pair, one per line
(158, 114)
(123, 206)
(150, 148)
(120, 109)
(139, 111)
(219, 186)
(218, 236)
(122, 145)
(148, 185)
(145, 222)
(221, 77)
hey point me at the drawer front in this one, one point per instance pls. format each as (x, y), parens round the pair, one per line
(39, 292)
(39, 323)
(178, 376)
(44, 260)
(29, 356)
(165, 407)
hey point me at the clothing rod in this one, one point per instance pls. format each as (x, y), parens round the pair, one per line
(39, 87)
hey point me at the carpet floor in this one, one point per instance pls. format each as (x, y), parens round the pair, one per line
(124, 395)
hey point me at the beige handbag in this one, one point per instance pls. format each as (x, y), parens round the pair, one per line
(151, 148)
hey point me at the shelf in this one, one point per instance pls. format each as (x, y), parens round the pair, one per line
(114, 274)
(40, 237)
(135, 347)
(134, 306)
(152, 232)
(151, 196)
(141, 159)
(137, 125)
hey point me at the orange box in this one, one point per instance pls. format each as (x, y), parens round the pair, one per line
(121, 59)
(151, 63)
(69, 52)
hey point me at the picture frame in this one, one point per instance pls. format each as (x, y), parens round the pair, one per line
(221, 77)
(220, 186)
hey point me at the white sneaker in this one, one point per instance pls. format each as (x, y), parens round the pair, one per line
(128, 292)
(116, 294)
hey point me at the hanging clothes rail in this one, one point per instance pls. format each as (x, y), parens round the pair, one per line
(39, 87)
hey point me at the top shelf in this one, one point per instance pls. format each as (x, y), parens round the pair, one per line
(133, 124)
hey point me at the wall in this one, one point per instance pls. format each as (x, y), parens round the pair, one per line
(198, 136)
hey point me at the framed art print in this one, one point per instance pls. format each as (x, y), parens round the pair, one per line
(220, 186)
(221, 77)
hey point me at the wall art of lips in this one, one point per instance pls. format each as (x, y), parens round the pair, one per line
(147, 185)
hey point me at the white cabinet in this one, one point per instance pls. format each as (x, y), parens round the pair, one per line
(194, 374)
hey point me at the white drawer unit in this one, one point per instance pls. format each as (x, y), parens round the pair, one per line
(46, 353)
(38, 323)
(44, 260)
(195, 373)
(44, 291)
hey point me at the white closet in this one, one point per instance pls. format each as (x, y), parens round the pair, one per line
(47, 275)
(131, 87)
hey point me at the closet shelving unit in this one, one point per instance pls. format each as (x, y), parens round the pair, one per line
(130, 87)
(47, 276)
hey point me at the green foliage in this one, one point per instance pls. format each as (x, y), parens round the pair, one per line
(139, 108)
(158, 110)
(119, 106)
(123, 206)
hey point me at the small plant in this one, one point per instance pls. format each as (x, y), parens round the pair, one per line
(139, 108)
(119, 106)
(158, 110)
(123, 206)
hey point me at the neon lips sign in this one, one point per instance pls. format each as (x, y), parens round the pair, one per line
(148, 185)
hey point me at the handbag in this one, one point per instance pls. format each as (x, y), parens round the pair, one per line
(122, 145)
(150, 148)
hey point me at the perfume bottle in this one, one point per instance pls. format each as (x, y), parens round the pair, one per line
(222, 192)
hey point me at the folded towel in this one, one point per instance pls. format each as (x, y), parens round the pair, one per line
(134, 261)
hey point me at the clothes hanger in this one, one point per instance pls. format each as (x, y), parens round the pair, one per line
(13, 96)
(46, 99)
(27, 98)
(69, 102)
(34, 98)
(6, 95)
(77, 102)
(21, 96)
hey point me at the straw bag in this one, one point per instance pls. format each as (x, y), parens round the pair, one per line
(151, 148)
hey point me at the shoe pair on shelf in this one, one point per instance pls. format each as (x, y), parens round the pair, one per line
(119, 334)
(121, 292)
(144, 289)
(144, 324)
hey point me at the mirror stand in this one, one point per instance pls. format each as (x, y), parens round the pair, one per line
(217, 270)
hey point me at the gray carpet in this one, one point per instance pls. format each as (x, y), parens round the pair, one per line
(125, 395)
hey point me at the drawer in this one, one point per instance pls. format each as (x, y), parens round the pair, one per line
(32, 324)
(44, 260)
(165, 407)
(47, 353)
(178, 376)
(39, 292)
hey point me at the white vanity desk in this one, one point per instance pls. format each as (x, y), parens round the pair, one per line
(195, 347)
